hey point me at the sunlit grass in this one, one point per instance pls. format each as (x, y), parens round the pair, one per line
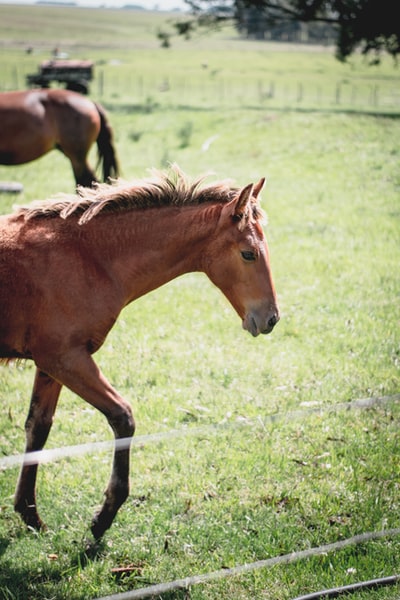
(245, 487)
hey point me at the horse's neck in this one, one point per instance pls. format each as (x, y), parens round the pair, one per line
(154, 246)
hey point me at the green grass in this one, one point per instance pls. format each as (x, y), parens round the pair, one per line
(251, 488)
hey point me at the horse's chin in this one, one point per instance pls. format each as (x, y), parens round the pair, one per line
(250, 325)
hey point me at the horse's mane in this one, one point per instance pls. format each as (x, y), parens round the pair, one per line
(161, 189)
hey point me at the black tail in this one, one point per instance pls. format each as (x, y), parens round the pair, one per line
(106, 150)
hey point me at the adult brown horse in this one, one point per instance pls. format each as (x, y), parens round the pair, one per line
(36, 121)
(69, 266)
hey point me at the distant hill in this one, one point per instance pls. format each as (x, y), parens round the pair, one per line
(124, 7)
(51, 3)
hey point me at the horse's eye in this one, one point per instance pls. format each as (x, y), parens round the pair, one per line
(248, 255)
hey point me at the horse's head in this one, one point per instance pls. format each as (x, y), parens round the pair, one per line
(239, 264)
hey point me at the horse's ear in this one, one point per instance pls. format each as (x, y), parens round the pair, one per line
(242, 200)
(258, 187)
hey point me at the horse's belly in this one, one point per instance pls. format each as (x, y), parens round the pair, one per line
(22, 144)
(9, 353)
(24, 154)
(8, 157)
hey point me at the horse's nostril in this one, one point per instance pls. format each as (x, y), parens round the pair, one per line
(273, 321)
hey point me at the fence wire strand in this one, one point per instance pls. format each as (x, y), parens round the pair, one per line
(185, 583)
(45, 456)
(54, 454)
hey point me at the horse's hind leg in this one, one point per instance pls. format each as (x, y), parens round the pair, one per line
(80, 374)
(84, 175)
(40, 418)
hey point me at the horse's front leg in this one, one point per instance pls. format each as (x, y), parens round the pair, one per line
(37, 426)
(121, 420)
(79, 373)
(117, 490)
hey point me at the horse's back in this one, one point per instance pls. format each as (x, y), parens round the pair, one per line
(34, 122)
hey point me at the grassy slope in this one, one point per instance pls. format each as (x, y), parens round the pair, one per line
(256, 489)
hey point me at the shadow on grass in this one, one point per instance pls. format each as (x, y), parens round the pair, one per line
(4, 543)
(92, 551)
(176, 595)
(18, 582)
(24, 582)
(21, 581)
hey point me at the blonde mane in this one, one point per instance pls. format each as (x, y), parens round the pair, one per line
(161, 189)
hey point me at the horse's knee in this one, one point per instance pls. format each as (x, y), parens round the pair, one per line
(122, 421)
(37, 431)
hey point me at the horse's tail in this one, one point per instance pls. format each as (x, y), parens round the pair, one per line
(105, 147)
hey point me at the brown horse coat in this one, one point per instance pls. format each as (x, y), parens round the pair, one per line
(68, 267)
(35, 122)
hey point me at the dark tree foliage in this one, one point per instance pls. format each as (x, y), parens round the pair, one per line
(373, 26)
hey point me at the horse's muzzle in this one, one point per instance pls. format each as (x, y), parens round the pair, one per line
(254, 325)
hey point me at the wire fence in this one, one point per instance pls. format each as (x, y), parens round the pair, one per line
(185, 583)
(153, 591)
(54, 454)
(208, 91)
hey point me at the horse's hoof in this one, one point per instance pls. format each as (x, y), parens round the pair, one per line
(101, 522)
(31, 518)
(97, 528)
(91, 549)
(96, 532)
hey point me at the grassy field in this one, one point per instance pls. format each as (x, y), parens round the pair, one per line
(269, 455)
